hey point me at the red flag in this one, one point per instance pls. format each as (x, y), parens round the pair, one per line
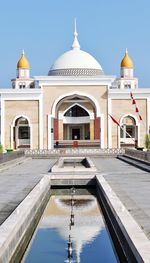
(136, 109)
(133, 102)
(131, 95)
(114, 120)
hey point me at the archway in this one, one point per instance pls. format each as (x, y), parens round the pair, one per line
(76, 118)
(21, 133)
(128, 131)
(76, 123)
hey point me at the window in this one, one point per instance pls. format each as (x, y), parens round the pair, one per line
(22, 85)
(76, 111)
(128, 128)
(22, 121)
(127, 86)
(24, 133)
(32, 86)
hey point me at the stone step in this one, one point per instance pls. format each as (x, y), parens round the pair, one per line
(135, 162)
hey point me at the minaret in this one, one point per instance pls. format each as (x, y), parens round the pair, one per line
(23, 67)
(23, 80)
(127, 79)
(127, 66)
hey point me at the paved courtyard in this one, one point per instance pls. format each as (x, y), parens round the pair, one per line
(131, 185)
(18, 180)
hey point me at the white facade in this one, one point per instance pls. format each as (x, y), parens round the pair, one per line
(76, 79)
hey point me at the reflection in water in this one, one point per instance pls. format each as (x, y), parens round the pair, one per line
(71, 230)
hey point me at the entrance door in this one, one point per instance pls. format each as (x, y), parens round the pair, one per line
(75, 134)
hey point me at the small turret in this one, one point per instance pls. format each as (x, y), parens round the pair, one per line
(23, 67)
(126, 66)
(127, 79)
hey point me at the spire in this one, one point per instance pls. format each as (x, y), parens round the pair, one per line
(75, 44)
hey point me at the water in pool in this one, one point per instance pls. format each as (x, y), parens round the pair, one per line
(71, 230)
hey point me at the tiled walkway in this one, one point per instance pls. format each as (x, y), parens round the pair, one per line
(131, 185)
(17, 181)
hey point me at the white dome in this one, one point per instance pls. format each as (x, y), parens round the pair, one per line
(76, 62)
(76, 59)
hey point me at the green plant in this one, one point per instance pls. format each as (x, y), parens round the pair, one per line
(1, 148)
(147, 141)
(9, 150)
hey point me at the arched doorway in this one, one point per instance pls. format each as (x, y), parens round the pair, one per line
(21, 133)
(76, 119)
(128, 132)
(76, 124)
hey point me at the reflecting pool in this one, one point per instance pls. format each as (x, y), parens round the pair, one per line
(71, 230)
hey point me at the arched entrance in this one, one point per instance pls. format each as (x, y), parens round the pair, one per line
(21, 133)
(128, 131)
(76, 119)
(76, 122)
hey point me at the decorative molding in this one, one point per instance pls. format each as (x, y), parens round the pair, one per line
(76, 93)
(61, 115)
(75, 72)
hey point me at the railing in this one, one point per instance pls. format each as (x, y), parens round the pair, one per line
(4, 157)
(142, 155)
(74, 152)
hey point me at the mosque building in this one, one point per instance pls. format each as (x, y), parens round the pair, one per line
(75, 103)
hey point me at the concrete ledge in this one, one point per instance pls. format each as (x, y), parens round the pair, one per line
(60, 181)
(5, 157)
(44, 153)
(139, 155)
(133, 240)
(144, 165)
(13, 230)
(61, 165)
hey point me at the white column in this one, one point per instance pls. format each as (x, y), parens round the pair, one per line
(109, 123)
(148, 115)
(50, 132)
(11, 136)
(118, 135)
(102, 130)
(31, 137)
(3, 123)
(138, 130)
(41, 122)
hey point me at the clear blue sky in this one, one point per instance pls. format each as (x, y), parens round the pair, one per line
(45, 30)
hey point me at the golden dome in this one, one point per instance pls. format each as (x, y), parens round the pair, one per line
(23, 62)
(126, 61)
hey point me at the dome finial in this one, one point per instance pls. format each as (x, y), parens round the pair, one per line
(75, 44)
(23, 62)
(126, 61)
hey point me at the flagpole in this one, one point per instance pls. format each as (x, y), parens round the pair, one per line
(137, 110)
